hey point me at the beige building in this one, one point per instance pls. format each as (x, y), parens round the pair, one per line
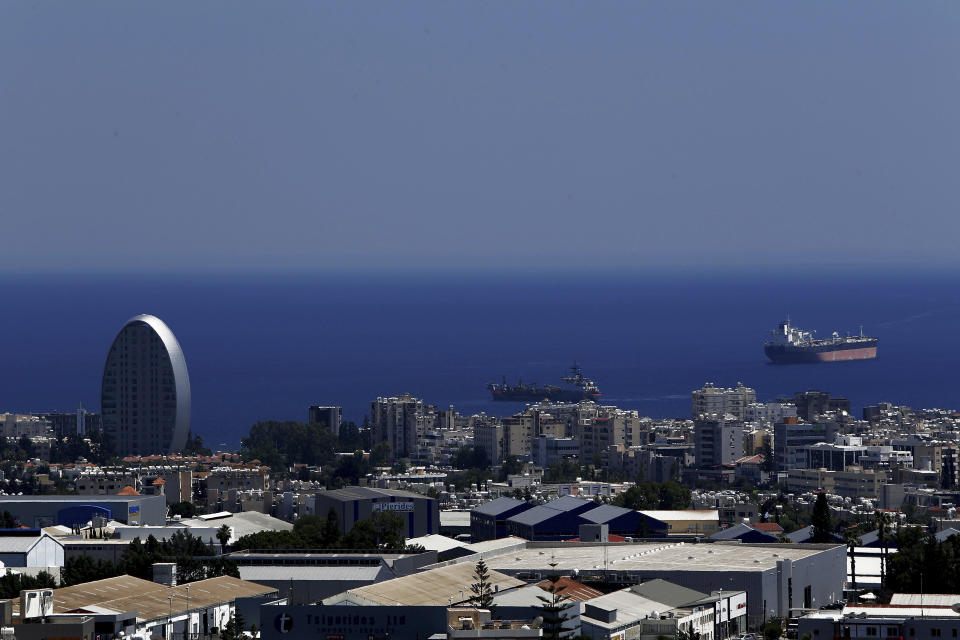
(688, 521)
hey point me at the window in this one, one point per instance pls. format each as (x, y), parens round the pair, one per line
(871, 631)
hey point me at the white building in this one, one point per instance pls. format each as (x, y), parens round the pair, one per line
(30, 548)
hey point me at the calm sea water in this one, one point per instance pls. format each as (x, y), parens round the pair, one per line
(269, 346)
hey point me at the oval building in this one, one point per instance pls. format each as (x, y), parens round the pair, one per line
(145, 392)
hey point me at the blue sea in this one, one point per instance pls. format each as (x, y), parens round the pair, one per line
(268, 346)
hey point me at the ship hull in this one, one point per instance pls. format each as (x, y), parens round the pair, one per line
(562, 395)
(781, 354)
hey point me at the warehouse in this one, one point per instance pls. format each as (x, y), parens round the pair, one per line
(557, 520)
(69, 510)
(778, 578)
(29, 548)
(625, 522)
(414, 606)
(488, 521)
(143, 608)
(421, 514)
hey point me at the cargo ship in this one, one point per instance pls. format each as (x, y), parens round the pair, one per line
(578, 388)
(789, 345)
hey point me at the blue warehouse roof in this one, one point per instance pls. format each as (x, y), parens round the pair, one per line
(544, 512)
(498, 506)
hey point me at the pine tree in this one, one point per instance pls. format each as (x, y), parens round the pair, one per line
(553, 611)
(482, 590)
(821, 519)
(233, 630)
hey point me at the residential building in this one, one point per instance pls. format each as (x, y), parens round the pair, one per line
(328, 416)
(718, 440)
(811, 404)
(712, 400)
(399, 421)
(789, 439)
(550, 450)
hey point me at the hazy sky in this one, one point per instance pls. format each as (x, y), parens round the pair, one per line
(194, 135)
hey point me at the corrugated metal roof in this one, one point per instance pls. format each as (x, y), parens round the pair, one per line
(498, 506)
(432, 587)
(605, 513)
(684, 514)
(926, 599)
(317, 573)
(149, 599)
(20, 544)
(667, 592)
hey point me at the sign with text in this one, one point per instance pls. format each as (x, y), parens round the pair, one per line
(393, 506)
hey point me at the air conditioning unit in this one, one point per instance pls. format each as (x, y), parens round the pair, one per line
(36, 603)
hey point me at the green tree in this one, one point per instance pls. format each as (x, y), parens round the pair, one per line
(233, 630)
(381, 454)
(11, 584)
(553, 611)
(510, 467)
(223, 536)
(482, 590)
(851, 537)
(282, 444)
(821, 519)
(331, 530)
(773, 629)
(883, 532)
(184, 509)
(81, 569)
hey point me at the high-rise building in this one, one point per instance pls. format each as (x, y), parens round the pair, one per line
(791, 436)
(400, 421)
(718, 440)
(145, 393)
(711, 400)
(329, 417)
(811, 404)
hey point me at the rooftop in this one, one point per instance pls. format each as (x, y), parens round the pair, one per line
(150, 599)
(432, 587)
(665, 556)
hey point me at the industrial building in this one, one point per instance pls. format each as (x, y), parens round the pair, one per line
(908, 615)
(778, 578)
(488, 521)
(557, 520)
(142, 608)
(421, 514)
(69, 510)
(303, 577)
(29, 548)
(413, 606)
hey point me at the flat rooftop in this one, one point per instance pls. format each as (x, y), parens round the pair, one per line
(665, 556)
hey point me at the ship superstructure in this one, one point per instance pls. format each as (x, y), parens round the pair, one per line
(578, 388)
(789, 345)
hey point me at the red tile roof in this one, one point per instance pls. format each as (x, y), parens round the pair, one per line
(573, 589)
(772, 527)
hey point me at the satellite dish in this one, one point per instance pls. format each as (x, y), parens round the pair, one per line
(956, 608)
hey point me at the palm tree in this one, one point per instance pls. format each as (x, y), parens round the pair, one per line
(223, 535)
(882, 519)
(852, 539)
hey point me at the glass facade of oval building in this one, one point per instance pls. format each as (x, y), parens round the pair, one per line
(145, 392)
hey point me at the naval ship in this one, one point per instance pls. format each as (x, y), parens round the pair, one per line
(789, 345)
(578, 388)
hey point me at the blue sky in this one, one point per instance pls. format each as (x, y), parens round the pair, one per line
(389, 135)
